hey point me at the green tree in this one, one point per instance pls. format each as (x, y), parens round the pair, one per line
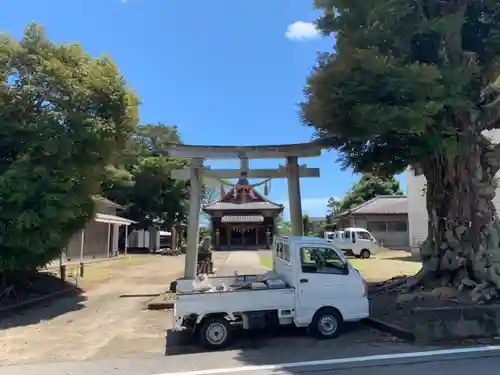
(63, 117)
(306, 225)
(333, 208)
(368, 187)
(140, 179)
(283, 227)
(415, 83)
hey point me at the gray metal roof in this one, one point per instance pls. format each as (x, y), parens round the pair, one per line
(243, 219)
(382, 204)
(243, 206)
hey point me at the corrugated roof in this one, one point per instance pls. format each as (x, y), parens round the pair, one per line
(242, 206)
(107, 202)
(382, 204)
(112, 219)
(243, 219)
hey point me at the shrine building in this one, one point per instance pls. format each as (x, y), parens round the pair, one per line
(243, 218)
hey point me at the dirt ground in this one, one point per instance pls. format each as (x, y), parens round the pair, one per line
(109, 319)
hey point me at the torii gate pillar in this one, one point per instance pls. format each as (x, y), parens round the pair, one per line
(196, 187)
(292, 168)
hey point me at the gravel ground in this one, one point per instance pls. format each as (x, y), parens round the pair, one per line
(109, 319)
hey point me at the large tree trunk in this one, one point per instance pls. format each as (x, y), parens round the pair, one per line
(463, 244)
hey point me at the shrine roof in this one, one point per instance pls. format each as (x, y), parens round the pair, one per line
(235, 201)
(242, 206)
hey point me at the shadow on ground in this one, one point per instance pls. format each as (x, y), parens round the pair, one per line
(290, 345)
(407, 258)
(142, 250)
(43, 311)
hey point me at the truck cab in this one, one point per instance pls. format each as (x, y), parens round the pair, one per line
(357, 242)
(311, 284)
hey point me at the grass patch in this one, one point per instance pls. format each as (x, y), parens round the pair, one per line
(380, 269)
(266, 260)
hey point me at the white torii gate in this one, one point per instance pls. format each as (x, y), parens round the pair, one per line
(196, 171)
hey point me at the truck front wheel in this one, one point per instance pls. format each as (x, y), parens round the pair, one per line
(215, 333)
(326, 324)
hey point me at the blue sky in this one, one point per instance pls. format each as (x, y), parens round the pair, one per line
(225, 72)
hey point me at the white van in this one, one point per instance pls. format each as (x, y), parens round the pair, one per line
(356, 242)
(312, 284)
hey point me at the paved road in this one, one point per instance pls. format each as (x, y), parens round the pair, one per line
(403, 363)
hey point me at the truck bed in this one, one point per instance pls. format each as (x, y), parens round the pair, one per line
(232, 301)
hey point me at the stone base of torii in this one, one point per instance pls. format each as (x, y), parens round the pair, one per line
(196, 172)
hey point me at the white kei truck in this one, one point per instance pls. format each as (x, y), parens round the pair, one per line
(357, 242)
(312, 284)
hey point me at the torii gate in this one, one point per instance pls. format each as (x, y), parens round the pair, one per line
(196, 171)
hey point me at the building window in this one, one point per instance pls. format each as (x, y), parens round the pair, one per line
(397, 226)
(376, 226)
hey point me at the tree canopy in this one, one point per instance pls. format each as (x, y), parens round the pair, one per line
(140, 179)
(405, 79)
(416, 83)
(63, 117)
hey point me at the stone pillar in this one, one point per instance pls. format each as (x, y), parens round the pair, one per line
(193, 219)
(173, 238)
(268, 238)
(217, 239)
(82, 244)
(126, 239)
(152, 239)
(108, 244)
(295, 205)
(116, 233)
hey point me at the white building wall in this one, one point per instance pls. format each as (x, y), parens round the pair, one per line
(417, 210)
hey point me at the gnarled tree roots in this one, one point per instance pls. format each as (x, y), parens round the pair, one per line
(463, 244)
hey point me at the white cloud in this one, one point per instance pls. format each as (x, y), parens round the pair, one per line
(301, 30)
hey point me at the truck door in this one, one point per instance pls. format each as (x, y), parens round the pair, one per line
(322, 281)
(365, 240)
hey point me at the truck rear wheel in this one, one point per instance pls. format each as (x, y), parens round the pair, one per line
(215, 333)
(326, 324)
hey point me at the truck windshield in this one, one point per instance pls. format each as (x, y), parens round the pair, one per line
(321, 260)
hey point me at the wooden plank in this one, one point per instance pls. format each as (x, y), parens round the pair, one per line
(303, 150)
(183, 174)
